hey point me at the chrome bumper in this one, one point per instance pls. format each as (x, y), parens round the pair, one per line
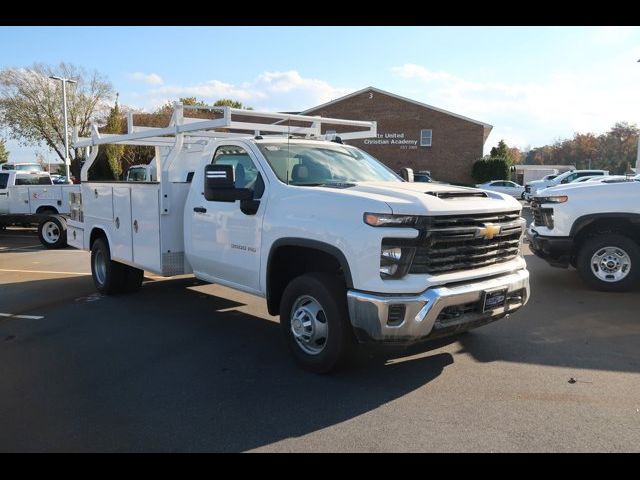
(436, 312)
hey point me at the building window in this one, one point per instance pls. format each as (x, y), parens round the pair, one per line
(425, 137)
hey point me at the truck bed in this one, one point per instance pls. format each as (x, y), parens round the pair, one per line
(139, 233)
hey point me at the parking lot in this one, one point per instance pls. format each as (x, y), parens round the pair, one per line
(186, 366)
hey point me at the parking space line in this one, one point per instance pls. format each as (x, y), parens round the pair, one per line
(9, 249)
(42, 271)
(25, 317)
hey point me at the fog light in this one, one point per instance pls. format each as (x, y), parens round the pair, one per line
(389, 270)
(394, 253)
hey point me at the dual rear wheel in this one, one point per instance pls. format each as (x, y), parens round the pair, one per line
(111, 277)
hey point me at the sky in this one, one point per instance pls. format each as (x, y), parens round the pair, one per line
(533, 84)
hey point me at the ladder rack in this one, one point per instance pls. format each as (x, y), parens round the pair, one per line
(190, 131)
(180, 124)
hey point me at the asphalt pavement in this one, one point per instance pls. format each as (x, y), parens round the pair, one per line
(186, 366)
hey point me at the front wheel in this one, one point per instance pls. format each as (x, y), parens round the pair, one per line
(52, 232)
(315, 322)
(609, 262)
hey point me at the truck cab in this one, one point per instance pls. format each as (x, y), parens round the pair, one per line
(141, 173)
(342, 248)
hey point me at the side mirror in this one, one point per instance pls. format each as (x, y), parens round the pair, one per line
(407, 174)
(219, 185)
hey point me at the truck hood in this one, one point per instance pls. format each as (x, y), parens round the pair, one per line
(588, 188)
(409, 198)
(537, 183)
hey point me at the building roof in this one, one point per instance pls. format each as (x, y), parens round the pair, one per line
(486, 126)
(521, 166)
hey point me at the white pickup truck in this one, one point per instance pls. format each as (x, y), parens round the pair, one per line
(592, 226)
(531, 188)
(30, 197)
(340, 247)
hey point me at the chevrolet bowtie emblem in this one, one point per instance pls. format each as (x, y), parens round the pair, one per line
(488, 230)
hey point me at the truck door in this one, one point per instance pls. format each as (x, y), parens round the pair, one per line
(226, 242)
(4, 193)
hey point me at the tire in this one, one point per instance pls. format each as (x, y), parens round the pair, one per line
(300, 299)
(609, 262)
(522, 196)
(52, 232)
(109, 277)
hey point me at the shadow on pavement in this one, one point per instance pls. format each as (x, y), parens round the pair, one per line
(565, 324)
(165, 370)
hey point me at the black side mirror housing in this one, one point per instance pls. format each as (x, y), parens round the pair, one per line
(219, 185)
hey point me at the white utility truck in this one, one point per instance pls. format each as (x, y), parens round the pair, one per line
(340, 246)
(30, 197)
(141, 173)
(592, 226)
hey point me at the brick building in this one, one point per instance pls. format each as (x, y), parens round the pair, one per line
(413, 134)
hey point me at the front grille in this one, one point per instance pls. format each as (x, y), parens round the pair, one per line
(452, 243)
(541, 216)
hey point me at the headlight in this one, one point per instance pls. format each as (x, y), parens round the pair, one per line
(387, 220)
(552, 199)
(395, 261)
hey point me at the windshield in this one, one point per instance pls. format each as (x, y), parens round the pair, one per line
(33, 167)
(137, 174)
(33, 180)
(312, 165)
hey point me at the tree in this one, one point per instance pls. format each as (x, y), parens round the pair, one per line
(4, 153)
(31, 104)
(114, 152)
(227, 102)
(502, 151)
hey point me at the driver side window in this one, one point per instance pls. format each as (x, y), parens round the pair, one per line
(245, 173)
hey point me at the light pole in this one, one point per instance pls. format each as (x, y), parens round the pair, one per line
(67, 161)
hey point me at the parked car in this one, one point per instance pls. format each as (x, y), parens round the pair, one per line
(422, 177)
(503, 186)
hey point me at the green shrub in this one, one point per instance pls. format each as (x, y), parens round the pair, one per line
(487, 169)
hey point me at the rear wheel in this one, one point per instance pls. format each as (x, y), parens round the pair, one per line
(609, 262)
(315, 322)
(52, 232)
(108, 276)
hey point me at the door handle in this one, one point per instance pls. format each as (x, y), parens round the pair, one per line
(200, 209)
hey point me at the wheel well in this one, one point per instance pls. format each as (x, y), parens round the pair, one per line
(289, 262)
(623, 226)
(96, 233)
(46, 209)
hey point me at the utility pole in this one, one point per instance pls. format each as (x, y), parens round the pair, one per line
(67, 161)
(638, 154)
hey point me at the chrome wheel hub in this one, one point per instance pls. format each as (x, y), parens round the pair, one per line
(51, 232)
(309, 325)
(610, 264)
